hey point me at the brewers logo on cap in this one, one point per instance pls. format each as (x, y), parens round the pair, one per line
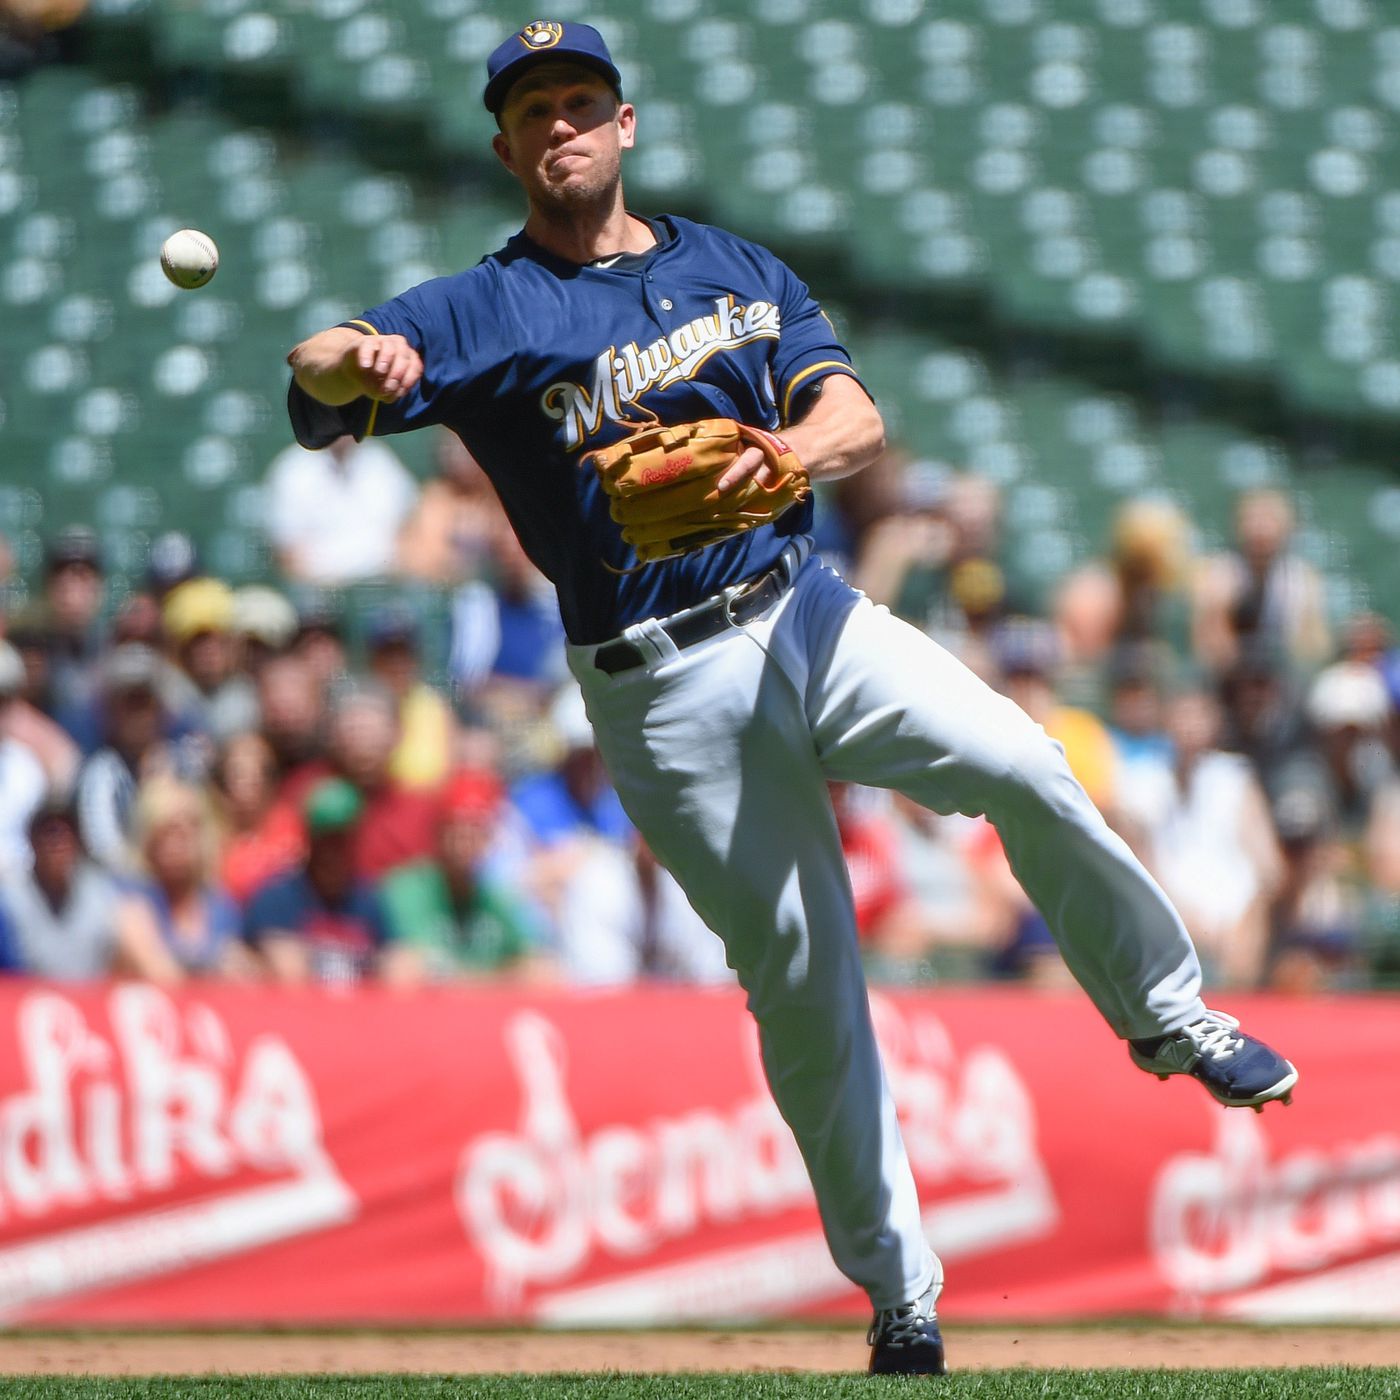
(539, 41)
(541, 34)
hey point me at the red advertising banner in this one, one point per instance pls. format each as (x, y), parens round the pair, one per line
(244, 1156)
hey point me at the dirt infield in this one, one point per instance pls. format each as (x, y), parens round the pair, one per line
(969, 1349)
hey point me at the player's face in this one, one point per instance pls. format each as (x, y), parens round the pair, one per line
(562, 135)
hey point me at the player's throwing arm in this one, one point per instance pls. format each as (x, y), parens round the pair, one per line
(340, 365)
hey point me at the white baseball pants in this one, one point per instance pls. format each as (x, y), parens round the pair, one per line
(721, 754)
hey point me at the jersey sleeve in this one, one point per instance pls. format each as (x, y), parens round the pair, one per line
(426, 317)
(808, 348)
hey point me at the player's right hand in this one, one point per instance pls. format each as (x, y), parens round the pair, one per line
(386, 367)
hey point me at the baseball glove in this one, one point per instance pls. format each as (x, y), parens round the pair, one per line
(662, 485)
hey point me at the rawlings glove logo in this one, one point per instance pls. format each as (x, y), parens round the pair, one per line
(659, 476)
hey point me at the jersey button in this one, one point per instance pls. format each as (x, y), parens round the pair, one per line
(667, 304)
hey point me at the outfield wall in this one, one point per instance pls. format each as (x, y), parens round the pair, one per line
(246, 1156)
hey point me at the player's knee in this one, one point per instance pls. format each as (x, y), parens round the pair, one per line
(1035, 774)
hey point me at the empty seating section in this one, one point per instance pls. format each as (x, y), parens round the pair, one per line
(142, 407)
(1205, 182)
(1209, 174)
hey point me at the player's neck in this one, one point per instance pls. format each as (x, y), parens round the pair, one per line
(582, 235)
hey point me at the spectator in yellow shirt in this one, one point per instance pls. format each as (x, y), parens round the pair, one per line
(426, 724)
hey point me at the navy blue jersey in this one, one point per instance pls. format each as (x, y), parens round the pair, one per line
(533, 361)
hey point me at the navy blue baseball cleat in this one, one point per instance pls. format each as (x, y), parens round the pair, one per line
(905, 1341)
(1238, 1070)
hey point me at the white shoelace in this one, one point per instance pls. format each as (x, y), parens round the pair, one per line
(1214, 1035)
(900, 1327)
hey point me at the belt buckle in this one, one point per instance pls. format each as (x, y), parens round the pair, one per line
(737, 592)
(730, 596)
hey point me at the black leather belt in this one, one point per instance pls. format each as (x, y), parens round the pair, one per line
(699, 623)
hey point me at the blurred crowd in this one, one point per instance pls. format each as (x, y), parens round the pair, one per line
(380, 769)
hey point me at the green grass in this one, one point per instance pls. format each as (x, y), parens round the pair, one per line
(1304, 1383)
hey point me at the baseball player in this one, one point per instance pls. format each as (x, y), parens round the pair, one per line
(651, 398)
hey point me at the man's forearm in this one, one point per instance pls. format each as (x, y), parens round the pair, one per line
(318, 365)
(833, 450)
(841, 433)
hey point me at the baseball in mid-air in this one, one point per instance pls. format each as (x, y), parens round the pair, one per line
(189, 258)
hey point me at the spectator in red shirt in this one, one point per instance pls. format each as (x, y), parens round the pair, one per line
(262, 835)
(320, 922)
(398, 824)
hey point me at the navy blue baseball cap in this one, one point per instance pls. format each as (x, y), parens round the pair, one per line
(546, 39)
